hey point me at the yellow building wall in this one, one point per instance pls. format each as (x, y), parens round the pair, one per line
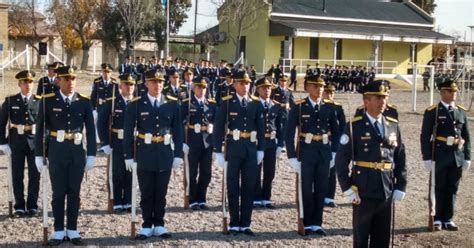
(326, 50)
(425, 53)
(4, 26)
(356, 50)
(396, 51)
(301, 48)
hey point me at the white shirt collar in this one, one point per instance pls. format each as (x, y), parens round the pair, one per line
(152, 98)
(64, 96)
(199, 100)
(313, 103)
(241, 97)
(447, 105)
(372, 119)
(263, 101)
(27, 97)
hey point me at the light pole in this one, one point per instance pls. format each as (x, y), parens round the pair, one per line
(470, 45)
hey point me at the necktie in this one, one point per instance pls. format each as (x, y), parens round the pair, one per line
(68, 102)
(25, 101)
(265, 105)
(155, 104)
(244, 102)
(127, 102)
(451, 111)
(378, 128)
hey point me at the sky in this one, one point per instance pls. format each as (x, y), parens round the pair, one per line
(452, 17)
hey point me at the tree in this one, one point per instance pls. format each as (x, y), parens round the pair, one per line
(240, 15)
(427, 5)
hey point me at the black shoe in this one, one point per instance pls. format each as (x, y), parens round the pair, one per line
(331, 204)
(54, 242)
(257, 205)
(118, 211)
(204, 207)
(450, 227)
(77, 241)
(307, 232)
(270, 206)
(195, 207)
(233, 232)
(141, 237)
(19, 213)
(128, 210)
(165, 236)
(320, 232)
(32, 213)
(437, 227)
(248, 232)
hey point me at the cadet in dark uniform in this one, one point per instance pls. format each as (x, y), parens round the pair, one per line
(158, 148)
(317, 137)
(293, 81)
(174, 88)
(110, 127)
(102, 88)
(283, 97)
(66, 114)
(198, 114)
(378, 173)
(21, 111)
(272, 114)
(48, 83)
(244, 133)
(225, 88)
(451, 154)
(127, 67)
(328, 96)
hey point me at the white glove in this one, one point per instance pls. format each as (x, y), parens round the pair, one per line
(177, 163)
(466, 165)
(39, 160)
(428, 165)
(295, 164)
(185, 149)
(333, 160)
(398, 195)
(6, 149)
(353, 196)
(95, 115)
(129, 164)
(90, 162)
(107, 149)
(220, 160)
(260, 156)
(278, 152)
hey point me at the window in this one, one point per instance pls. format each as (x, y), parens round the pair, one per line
(313, 48)
(339, 49)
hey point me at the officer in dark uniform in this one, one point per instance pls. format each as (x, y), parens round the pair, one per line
(110, 128)
(378, 172)
(272, 114)
(240, 123)
(102, 87)
(186, 86)
(225, 88)
(21, 111)
(446, 123)
(390, 110)
(317, 137)
(158, 148)
(328, 96)
(48, 83)
(198, 114)
(127, 67)
(174, 89)
(293, 81)
(283, 97)
(66, 113)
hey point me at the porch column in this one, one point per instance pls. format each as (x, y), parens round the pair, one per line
(413, 64)
(335, 41)
(290, 54)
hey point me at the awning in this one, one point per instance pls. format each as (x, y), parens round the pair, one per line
(356, 31)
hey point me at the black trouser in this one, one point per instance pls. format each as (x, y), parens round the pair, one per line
(371, 220)
(66, 170)
(200, 163)
(263, 189)
(241, 178)
(332, 183)
(426, 85)
(447, 180)
(293, 82)
(18, 156)
(315, 181)
(122, 179)
(153, 188)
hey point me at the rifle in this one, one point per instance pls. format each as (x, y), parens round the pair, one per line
(299, 190)
(225, 229)
(44, 179)
(10, 175)
(186, 178)
(109, 167)
(431, 184)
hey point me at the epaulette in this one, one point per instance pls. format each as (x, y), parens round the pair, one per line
(136, 99)
(114, 80)
(289, 89)
(166, 87)
(98, 80)
(391, 119)
(84, 96)
(183, 86)
(254, 98)
(171, 98)
(337, 103)
(49, 95)
(361, 107)
(357, 118)
(185, 100)
(37, 97)
(461, 107)
(276, 102)
(211, 100)
(391, 106)
(328, 101)
(228, 97)
(300, 101)
(110, 98)
(431, 107)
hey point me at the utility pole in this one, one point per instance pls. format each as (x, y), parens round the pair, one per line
(195, 26)
(167, 52)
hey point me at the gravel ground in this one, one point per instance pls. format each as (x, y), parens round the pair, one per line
(273, 227)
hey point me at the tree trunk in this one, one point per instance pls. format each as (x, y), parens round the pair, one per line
(69, 56)
(85, 57)
(38, 60)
